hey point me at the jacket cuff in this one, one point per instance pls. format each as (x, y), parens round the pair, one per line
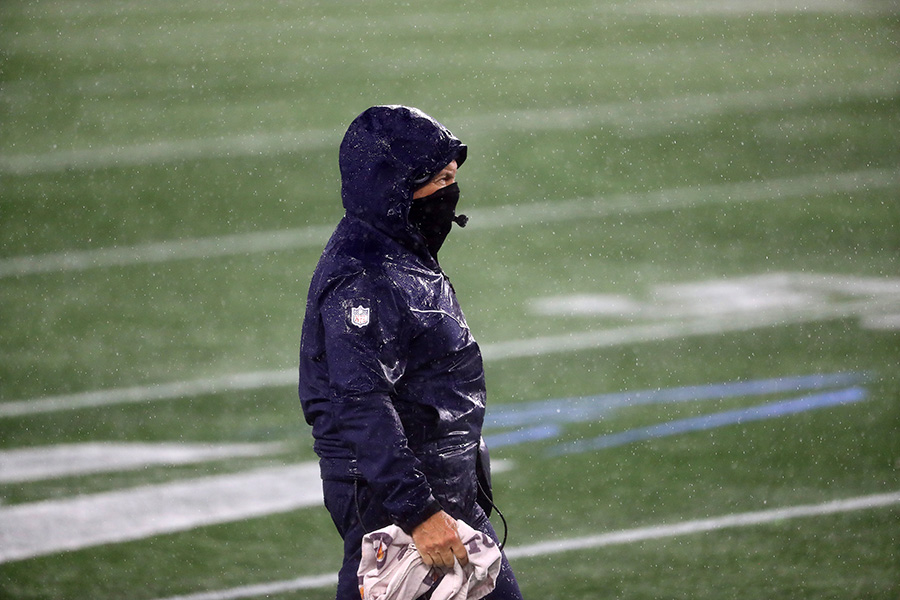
(432, 508)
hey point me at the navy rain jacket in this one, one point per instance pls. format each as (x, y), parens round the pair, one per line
(391, 379)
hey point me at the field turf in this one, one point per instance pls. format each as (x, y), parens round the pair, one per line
(682, 265)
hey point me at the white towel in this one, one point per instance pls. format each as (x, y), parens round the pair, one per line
(392, 569)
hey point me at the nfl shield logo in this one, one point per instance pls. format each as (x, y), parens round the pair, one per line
(359, 316)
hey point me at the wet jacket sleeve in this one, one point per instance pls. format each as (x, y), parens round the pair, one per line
(367, 332)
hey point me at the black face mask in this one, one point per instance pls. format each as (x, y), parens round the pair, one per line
(435, 214)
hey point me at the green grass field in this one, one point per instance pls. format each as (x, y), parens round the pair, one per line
(683, 267)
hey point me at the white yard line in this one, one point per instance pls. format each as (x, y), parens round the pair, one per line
(432, 20)
(632, 117)
(679, 198)
(102, 157)
(67, 460)
(158, 252)
(266, 590)
(640, 118)
(747, 519)
(728, 8)
(490, 218)
(163, 391)
(41, 528)
(606, 338)
(313, 236)
(776, 292)
(538, 346)
(627, 536)
(418, 21)
(51, 526)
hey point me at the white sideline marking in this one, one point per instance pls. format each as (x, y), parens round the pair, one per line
(39, 528)
(498, 217)
(627, 536)
(66, 460)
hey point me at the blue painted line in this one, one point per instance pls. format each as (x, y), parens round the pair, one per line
(712, 421)
(592, 408)
(523, 436)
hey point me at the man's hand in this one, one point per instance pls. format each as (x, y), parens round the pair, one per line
(437, 541)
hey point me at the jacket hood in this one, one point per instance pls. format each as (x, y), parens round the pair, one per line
(387, 153)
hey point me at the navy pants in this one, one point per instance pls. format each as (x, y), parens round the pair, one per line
(349, 501)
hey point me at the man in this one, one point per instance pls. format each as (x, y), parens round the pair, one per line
(391, 379)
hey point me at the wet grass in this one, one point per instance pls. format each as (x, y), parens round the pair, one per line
(124, 124)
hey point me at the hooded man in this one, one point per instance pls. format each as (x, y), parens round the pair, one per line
(391, 379)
